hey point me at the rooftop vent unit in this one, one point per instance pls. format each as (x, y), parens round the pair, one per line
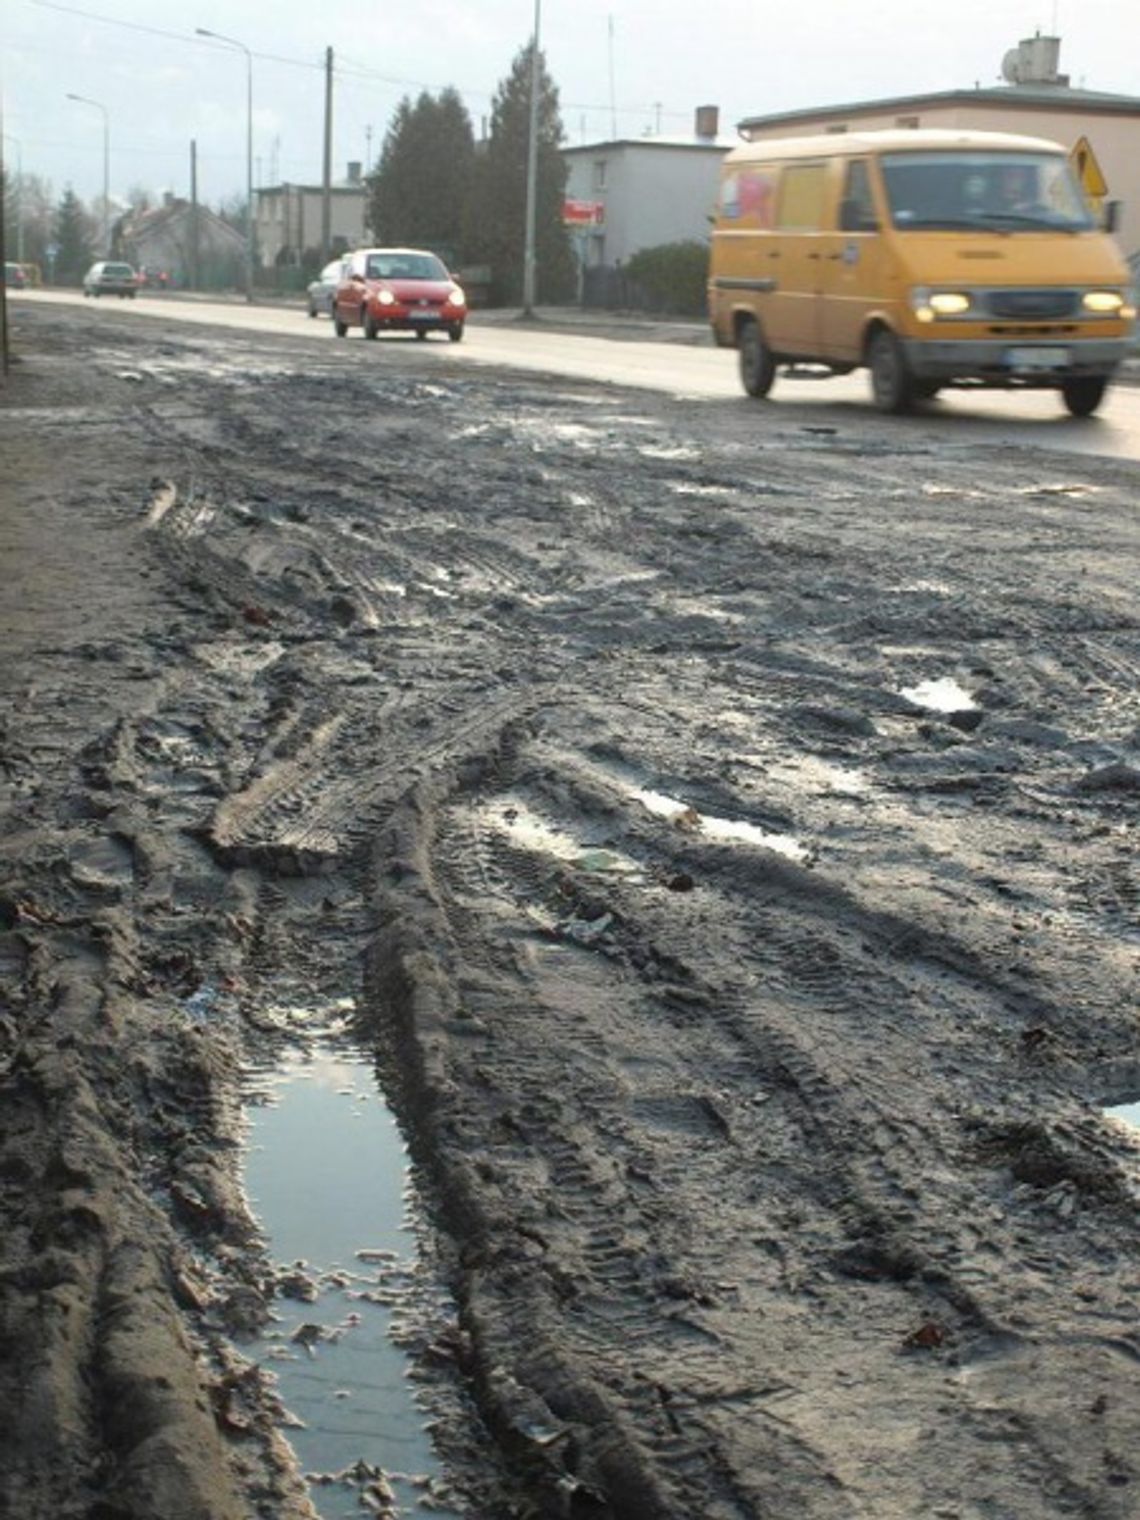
(1034, 61)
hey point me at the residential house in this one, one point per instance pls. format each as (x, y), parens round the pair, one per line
(190, 244)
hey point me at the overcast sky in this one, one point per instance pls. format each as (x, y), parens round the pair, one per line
(635, 65)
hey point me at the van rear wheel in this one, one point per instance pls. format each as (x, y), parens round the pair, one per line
(1083, 395)
(892, 386)
(757, 366)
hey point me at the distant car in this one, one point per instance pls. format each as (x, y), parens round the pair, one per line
(322, 291)
(15, 277)
(398, 290)
(108, 279)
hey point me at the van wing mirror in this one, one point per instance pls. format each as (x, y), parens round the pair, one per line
(854, 217)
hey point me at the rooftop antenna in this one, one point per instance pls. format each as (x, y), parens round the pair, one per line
(613, 98)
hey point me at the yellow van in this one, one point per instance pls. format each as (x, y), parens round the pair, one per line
(935, 258)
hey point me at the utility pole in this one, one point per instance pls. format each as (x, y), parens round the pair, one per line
(531, 172)
(195, 238)
(4, 254)
(326, 178)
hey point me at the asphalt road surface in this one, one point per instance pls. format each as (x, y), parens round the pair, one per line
(1036, 420)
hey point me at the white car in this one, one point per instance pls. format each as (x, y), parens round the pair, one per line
(323, 288)
(110, 279)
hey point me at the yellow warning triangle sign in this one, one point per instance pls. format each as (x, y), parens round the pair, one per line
(1089, 172)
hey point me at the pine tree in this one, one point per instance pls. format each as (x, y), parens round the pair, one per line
(498, 208)
(75, 239)
(419, 190)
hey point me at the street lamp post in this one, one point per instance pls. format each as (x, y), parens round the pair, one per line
(83, 100)
(233, 42)
(531, 173)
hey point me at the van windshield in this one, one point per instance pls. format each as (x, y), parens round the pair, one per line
(1006, 192)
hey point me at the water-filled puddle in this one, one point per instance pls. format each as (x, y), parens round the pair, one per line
(327, 1176)
(726, 830)
(527, 830)
(1127, 1113)
(941, 695)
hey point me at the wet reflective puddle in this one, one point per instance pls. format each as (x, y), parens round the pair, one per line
(1127, 1113)
(327, 1176)
(724, 830)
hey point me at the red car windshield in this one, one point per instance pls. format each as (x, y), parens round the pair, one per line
(404, 266)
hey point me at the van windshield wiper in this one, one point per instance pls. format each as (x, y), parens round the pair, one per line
(1028, 219)
(950, 223)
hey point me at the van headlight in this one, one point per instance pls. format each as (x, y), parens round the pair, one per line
(386, 298)
(1104, 303)
(928, 305)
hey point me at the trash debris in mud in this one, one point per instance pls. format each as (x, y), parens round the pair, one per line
(941, 694)
(929, 1336)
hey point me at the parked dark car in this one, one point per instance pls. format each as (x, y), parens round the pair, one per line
(322, 290)
(110, 279)
(400, 290)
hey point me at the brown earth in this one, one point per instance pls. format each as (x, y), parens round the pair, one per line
(768, 1162)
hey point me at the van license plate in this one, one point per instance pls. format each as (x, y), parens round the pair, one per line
(1037, 358)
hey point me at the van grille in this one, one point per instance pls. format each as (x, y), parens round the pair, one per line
(1025, 305)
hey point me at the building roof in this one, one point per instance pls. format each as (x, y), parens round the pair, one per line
(1019, 96)
(700, 144)
(144, 224)
(294, 189)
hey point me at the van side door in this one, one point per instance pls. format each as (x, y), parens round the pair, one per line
(795, 259)
(853, 264)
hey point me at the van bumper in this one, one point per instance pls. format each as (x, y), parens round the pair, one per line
(1003, 361)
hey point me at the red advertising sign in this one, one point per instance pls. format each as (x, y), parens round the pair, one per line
(584, 213)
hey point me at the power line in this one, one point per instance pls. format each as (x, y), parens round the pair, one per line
(158, 31)
(346, 70)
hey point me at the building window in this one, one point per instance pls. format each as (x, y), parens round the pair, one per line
(599, 174)
(906, 121)
(838, 127)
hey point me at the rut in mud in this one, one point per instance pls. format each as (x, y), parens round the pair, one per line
(722, 829)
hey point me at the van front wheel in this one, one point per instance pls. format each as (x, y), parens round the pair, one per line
(892, 386)
(757, 367)
(1083, 395)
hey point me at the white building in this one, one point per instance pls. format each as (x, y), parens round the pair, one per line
(644, 191)
(288, 221)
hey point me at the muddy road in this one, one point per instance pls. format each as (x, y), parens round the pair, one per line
(719, 829)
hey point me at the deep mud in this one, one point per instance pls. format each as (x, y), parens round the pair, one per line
(767, 1163)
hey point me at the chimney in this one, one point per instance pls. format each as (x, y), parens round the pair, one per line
(167, 199)
(708, 122)
(354, 171)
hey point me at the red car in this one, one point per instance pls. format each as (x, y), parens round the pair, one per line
(398, 290)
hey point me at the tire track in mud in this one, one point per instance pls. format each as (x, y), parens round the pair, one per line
(860, 1162)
